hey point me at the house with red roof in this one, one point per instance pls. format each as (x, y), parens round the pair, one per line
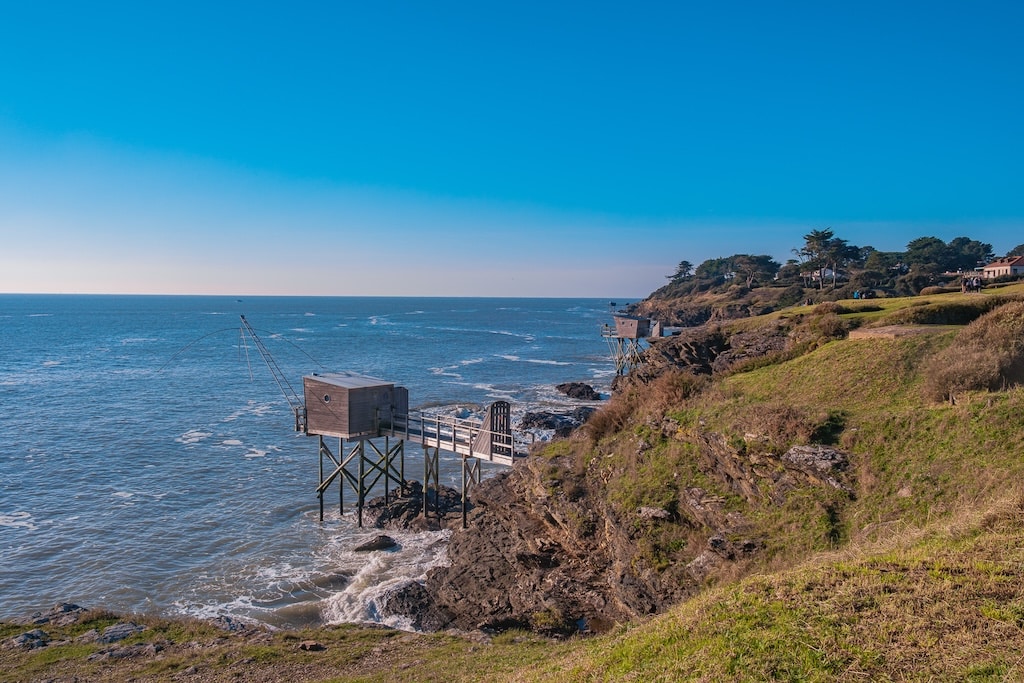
(1008, 265)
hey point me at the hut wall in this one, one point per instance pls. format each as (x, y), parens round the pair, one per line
(350, 407)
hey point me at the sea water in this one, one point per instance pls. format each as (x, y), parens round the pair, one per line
(148, 461)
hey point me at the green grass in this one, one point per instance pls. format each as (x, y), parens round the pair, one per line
(943, 603)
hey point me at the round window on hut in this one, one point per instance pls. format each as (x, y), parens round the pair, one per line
(327, 398)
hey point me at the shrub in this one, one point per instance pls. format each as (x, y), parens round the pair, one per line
(958, 312)
(934, 289)
(828, 307)
(792, 295)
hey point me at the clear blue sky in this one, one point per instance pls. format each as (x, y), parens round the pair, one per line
(475, 148)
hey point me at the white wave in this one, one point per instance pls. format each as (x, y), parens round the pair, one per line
(193, 436)
(251, 408)
(381, 571)
(445, 372)
(122, 494)
(232, 442)
(509, 357)
(21, 520)
(547, 362)
(309, 315)
(471, 361)
(255, 453)
(51, 363)
(301, 329)
(40, 315)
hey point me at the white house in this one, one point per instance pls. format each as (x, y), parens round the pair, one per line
(1008, 265)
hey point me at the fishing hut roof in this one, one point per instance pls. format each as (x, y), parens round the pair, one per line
(350, 380)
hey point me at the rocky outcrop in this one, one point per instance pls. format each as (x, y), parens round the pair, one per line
(403, 509)
(536, 559)
(562, 424)
(546, 551)
(549, 549)
(579, 391)
(707, 350)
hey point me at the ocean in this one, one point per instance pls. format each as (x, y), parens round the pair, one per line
(149, 464)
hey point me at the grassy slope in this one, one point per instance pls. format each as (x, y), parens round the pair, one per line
(927, 583)
(943, 603)
(929, 586)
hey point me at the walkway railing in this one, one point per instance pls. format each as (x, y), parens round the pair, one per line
(471, 438)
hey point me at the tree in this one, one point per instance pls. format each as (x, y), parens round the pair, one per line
(713, 269)
(683, 271)
(928, 254)
(789, 272)
(839, 253)
(883, 261)
(760, 268)
(1017, 251)
(967, 254)
(823, 249)
(815, 250)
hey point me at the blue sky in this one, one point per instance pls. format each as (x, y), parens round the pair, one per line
(483, 149)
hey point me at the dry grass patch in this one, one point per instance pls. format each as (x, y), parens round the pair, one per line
(987, 355)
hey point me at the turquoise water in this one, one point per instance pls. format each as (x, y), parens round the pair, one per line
(148, 461)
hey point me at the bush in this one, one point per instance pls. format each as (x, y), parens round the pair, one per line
(958, 312)
(928, 291)
(987, 355)
(829, 307)
(792, 295)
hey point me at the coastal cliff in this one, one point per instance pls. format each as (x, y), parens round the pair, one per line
(730, 449)
(603, 528)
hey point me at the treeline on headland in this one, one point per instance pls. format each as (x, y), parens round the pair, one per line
(829, 263)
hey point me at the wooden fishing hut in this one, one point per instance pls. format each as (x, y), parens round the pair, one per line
(351, 406)
(624, 337)
(358, 409)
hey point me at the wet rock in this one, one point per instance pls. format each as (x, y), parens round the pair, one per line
(404, 509)
(381, 542)
(561, 424)
(579, 391)
(61, 614)
(582, 413)
(412, 602)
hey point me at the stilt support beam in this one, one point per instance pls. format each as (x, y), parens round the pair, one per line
(361, 468)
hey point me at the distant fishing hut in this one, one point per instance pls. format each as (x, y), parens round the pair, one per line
(624, 339)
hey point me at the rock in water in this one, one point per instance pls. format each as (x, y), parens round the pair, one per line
(381, 542)
(579, 390)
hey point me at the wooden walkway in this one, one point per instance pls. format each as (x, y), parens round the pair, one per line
(491, 440)
(364, 462)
